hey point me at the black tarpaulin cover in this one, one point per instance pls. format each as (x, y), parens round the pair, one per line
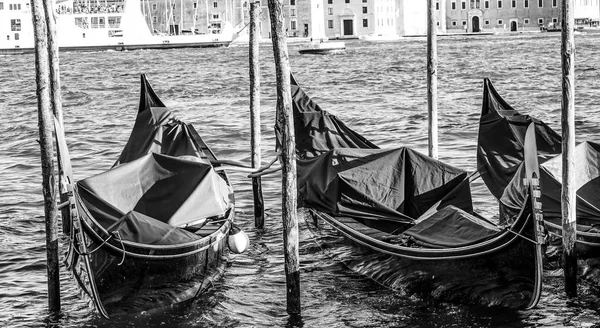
(317, 131)
(587, 183)
(501, 136)
(452, 227)
(156, 130)
(399, 184)
(146, 198)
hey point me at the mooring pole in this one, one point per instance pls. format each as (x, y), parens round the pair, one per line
(432, 63)
(285, 119)
(259, 212)
(568, 193)
(45, 124)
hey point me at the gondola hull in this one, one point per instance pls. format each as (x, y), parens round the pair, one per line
(146, 278)
(503, 272)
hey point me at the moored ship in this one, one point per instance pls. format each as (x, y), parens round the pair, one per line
(93, 25)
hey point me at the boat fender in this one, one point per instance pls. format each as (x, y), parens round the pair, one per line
(238, 240)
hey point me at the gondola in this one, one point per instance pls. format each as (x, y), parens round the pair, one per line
(500, 149)
(150, 232)
(407, 221)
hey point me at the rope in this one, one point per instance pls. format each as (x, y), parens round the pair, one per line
(116, 233)
(526, 238)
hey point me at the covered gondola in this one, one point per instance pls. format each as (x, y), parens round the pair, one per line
(407, 221)
(500, 150)
(149, 232)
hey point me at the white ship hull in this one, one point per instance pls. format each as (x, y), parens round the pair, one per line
(125, 29)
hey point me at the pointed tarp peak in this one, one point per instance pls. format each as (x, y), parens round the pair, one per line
(148, 97)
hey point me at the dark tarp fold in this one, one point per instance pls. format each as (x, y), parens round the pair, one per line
(452, 227)
(500, 151)
(501, 136)
(399, 184)
(317, 131)
(173, 191)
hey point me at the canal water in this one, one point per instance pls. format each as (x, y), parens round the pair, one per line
(377, 88)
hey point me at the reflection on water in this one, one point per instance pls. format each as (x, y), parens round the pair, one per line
(377, 88)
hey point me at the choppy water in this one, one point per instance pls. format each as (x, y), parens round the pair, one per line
(378, 88)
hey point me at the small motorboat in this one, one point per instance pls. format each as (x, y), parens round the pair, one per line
(322, 48)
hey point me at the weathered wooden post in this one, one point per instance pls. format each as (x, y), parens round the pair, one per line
(285, 119)
(45, 124)
(568, 193)
(259, 213)
(432, 63)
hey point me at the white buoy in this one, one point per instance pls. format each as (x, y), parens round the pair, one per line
(238, 240)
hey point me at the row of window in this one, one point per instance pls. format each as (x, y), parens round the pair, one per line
(329, 2)
(330, 11)
(475, 4)
(196, 17)
(16, 6)
(501, 22)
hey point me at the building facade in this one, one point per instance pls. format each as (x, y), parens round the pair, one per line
(501, 15)
(194, 16)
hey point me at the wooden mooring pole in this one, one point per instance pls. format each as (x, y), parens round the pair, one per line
(285, 119)
(45, 124)
(568, 193)
(259, 212)
(432, 63)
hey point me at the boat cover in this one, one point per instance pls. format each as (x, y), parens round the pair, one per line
(501, 136)
(342, 173)
(399, 184)
(318, 131)
(156, 130)
(500, 150)
(146, 198)
(452, 227)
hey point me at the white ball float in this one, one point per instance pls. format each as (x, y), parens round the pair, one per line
(238, 240)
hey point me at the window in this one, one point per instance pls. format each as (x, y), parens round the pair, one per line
(196, 5)
(15, 25)
(554, 20)
(16, 36)
(513, 4)
(364, 1)
(453, 5)
(540, 3)
(293, 12)
(19, 7)
(487, 22)
(292, 2)
(1, 5)
(463, 5)
(215, 4)
(499, 4)
(436, 23)
(437, 6)
(215, 16)
(173, 6)
(115, 21)
(8, 37)
(526, 21)
(364, 10)
(554, 4)
(153, 7)
(365, 22)
(526, 4)
(541, 21)
(10, 6)
(155, 19)
(500, 22)
(330, 2)
(464, 23)
(347, 1)
(486, 4)
(293, 25)
(453, 23)
(330, 23)
(330, 11)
